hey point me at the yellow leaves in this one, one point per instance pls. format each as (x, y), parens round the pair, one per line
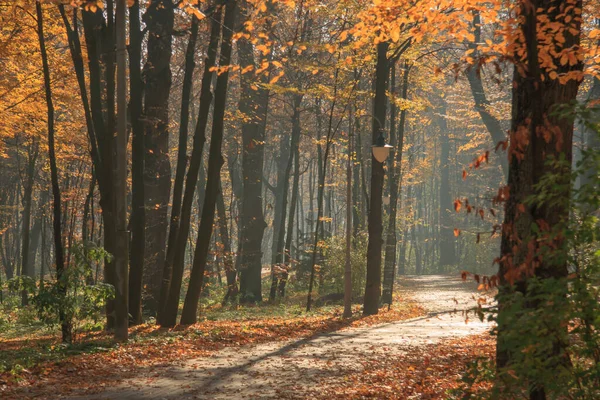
(300, 49)
(276, 78)
(263, 66)
(196, 13)
(91, 6)
(263, 49)
(457, 205)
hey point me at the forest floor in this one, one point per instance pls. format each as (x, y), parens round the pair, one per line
(419, 350)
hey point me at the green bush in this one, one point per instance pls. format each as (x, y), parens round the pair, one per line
(334, 264)
(83, 304)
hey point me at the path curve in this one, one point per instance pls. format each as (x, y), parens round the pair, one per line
(283, 369)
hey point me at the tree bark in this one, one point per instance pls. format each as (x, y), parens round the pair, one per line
(183, 136)
(95, 30)
(173, 271)
(65, 319)
(395, 174)
(446, 242)
(482, 104)
(137, 220)
(253, 105)
(373, 282)
(230, 270)
(215, 161)
(120, 182)
(26, 223)
(537, 133)
(159, 18)
(295, 153)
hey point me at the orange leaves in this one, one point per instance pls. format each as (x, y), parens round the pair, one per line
(456, 232)
(457, 205)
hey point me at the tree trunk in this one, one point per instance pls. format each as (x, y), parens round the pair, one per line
(157, 168)
(26, 223)
(65, 318)
(537, 133)
(137, 220)
(120, 181)
(482, 104)
(95, 30)
(373, 282)
(348, 262)
(446, 242)
(215, 161)
(295, 153)
(173, 271)
(183, 137)
(253, 105)
(395, 174)
(230, 271)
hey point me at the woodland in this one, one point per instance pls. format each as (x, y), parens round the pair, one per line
(348, 199)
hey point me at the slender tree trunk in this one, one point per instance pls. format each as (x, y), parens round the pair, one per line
(215, 161)
(373, 283)
(230, 271)
(295, 153)
(348, 263)
(173, 272)
(120, 182)
(65, 319)
(446, 242)
(395, 174)
(26, 223)
(482, 104)
(137, 220)
(283, 186)
(183, 137)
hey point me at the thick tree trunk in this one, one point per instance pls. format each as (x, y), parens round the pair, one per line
(373, 282)
(253, 104)
(537, 133)
(157, 168)
(173, 271)
(215, 161)
(95, 30)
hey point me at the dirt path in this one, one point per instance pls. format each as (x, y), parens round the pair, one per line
(285, 369)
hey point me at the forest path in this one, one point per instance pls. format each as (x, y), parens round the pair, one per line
(286, 369)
